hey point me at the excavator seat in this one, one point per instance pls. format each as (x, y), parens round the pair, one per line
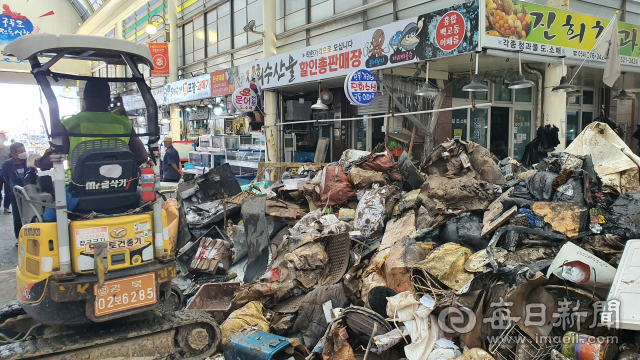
(104, 176)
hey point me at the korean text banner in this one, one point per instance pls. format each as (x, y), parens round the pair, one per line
(516, 25)
(160, 58)
(406, 41)
(219, 84)
(450, 31)
(135, 102)
(196, 88)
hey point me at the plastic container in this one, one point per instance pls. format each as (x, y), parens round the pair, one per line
(578, 346)
(215, 299)
(245, 179)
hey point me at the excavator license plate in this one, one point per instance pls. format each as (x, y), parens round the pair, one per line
(127, 293)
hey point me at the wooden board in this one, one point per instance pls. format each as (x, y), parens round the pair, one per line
(494, 210)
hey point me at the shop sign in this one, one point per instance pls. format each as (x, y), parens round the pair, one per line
(195, 88)
(407, 41)
(360, 87)
(14, 25)
(200, 113)
(219, 84)
(523, 26)
(244, 100)
(451, 31)
(135, 102)
(160, 58)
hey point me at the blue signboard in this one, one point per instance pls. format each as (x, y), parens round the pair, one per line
(361, 87)
(13, 25)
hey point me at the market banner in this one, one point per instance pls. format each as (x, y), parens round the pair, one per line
(195, 88)
(450, 31)
(516, 25)
(407, 41)
(160, 58)
(219, 84)
(135, 101)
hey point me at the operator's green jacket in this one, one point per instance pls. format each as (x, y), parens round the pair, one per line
(95, 123)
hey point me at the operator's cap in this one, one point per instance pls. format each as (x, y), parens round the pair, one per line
(97, 90)
(168, 139)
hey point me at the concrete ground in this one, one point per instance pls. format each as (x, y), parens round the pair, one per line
(8, 260)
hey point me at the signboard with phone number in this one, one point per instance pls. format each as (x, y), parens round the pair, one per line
(523, 26)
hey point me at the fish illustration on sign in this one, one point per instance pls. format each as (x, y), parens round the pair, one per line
(404, 43)
(409, 38)
(395, 40)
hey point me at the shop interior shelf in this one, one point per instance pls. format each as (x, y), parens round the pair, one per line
(405, 137)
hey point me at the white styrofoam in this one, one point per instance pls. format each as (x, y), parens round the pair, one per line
(626, 288)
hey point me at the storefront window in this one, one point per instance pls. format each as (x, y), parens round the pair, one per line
(521, 132)
(587, 97)
(482, 95)
(479, 126)
(572, 126)
(459, 124)
(573, 99)
(499, 131)
(587, 118)
(502, 93)
(361, 134)
(523, 95)
(458, 93)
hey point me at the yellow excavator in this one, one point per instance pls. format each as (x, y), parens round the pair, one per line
(95, 282)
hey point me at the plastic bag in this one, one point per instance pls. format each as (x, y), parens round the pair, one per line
(247, 316)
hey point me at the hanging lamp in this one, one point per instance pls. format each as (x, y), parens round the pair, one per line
(521, 83)
(564, 85)
(427, 90)
(319, 105)
(476, 82)
(623, 93)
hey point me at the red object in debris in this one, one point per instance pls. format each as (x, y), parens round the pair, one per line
(148, 183)
(396, 152)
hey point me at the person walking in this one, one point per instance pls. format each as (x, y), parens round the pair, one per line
(4, 156)
(13, 172)
(171, 166)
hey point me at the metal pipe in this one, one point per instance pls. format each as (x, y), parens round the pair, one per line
(391, 115)
(281, 155)
(270, 97)
(538, 74)
(60, 195)
(158, 228)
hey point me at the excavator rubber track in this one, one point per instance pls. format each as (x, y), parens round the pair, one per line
(184, 334)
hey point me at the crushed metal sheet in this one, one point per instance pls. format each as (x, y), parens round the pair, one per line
(255, 227)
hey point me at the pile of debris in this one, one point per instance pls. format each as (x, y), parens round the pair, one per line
(460, 257)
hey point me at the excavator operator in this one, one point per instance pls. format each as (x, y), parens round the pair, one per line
(95, 118)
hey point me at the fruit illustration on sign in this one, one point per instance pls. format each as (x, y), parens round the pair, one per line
(505, 19)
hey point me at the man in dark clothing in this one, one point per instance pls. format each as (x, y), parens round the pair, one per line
(171, 166)
(4, 156)
(13, 172)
